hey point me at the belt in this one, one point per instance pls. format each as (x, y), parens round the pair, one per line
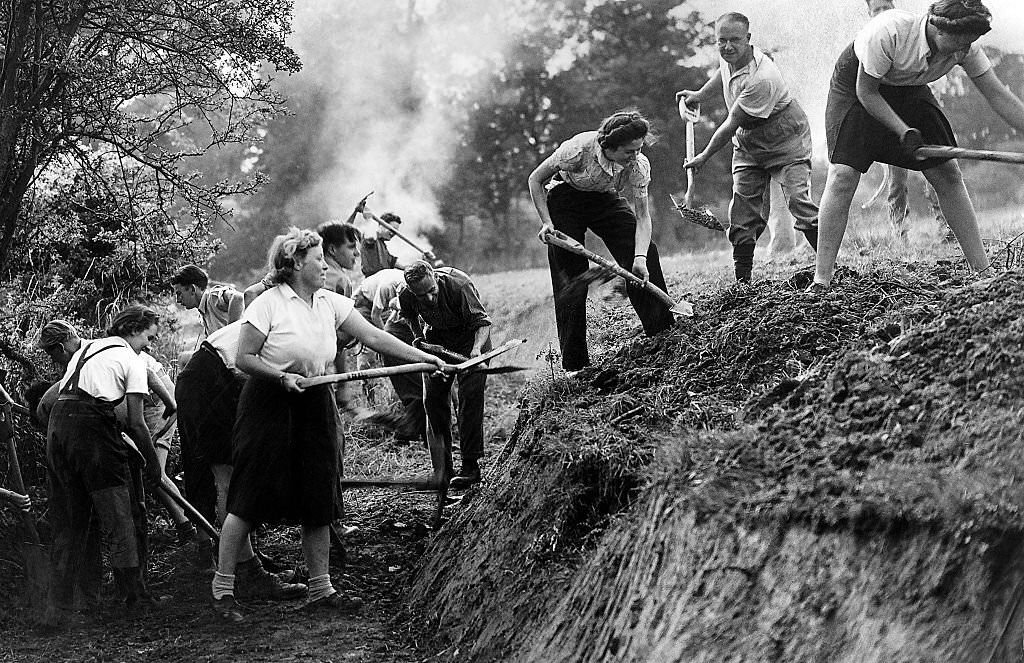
(85, 398)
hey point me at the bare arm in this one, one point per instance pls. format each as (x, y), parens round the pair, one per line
(873, 102)
(235, 306)
(139, 432)
(252, 292)
(385, 343)
(709, 90)
(248, 360)
(1004, 102)
(723, 134)
(161, 385)
(540, 175)
(482, 335)
(642, 238)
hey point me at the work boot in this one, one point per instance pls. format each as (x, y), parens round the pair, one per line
(468, 475)
(254, 582)
(743, 260)
(226, 609)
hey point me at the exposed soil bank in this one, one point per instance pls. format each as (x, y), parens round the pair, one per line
(784, 478)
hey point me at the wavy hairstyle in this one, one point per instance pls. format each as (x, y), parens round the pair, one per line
(132, 319)
(961, 17)
(623, 127)
(284, 251)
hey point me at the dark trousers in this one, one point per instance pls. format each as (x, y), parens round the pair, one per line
(93, 492)
(207, 396)
(409, 386)
(609, 217)
(470, 416)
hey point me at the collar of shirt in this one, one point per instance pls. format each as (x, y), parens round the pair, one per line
(607, 166)
(288, 293)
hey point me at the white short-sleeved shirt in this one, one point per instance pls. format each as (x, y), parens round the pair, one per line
(378, 290)
(111, 374)
(300, 338)
(758, 86)
(582, 163)
(893, 47)
(214, 306)
(225, 342)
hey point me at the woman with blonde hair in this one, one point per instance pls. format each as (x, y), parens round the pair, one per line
(285, 437)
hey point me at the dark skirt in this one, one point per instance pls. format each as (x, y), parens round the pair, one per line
(856, 139)
(207, 394)
(286, 455)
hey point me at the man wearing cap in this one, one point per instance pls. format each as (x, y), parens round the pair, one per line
(447, 302)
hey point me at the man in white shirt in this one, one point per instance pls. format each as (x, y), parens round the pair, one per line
(771, 140)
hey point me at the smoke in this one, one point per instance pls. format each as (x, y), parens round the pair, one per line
(394, 74)
(806, 37)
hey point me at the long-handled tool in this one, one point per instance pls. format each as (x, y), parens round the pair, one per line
(418, 367)
(563, 241)
(427, 255)
(190, 511)
(690, 116)
(703, 216)
(948, 152)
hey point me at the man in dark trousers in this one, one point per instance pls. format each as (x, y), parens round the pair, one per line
(446, 300)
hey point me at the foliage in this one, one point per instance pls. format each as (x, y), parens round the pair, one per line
(575, 65)
(103, 109)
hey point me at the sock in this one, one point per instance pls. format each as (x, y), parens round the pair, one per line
(320, 587)
(222, 585)
(812, 238)
(743, 258)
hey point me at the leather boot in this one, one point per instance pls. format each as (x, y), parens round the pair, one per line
(468, 475)
(255, 582)
(743, 259)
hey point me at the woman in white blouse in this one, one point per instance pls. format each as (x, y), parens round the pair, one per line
(285, 438)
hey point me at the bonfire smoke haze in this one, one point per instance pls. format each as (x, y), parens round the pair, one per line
(388, 72)
(806, 37)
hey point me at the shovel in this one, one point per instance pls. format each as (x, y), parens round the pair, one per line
(701, 217)
(690, 116)
(563, 241)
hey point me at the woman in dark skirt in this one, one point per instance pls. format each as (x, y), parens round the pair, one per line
(880, 109)
(597, 180)
(285, 440)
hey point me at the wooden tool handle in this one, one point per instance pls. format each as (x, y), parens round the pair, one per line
(366, 374)
(947, 152)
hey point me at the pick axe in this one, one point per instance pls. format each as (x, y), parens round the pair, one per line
(563, 241)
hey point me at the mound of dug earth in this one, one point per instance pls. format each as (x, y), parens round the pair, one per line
(786, 477)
